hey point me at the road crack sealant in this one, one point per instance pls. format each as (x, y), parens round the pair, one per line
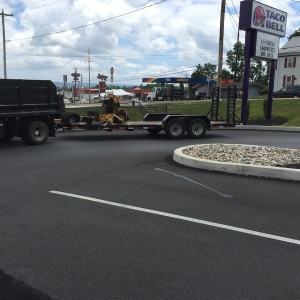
(195, 182)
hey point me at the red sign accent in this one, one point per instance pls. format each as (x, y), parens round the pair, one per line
(102, 87)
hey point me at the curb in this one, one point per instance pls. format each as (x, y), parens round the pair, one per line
(268, 128)
(259, 127)
(234, 168)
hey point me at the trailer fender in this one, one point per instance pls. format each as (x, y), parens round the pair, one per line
(154, 131)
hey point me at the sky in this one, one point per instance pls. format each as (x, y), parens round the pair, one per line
(46, 39)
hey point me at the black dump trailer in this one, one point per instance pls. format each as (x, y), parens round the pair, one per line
(28, 109)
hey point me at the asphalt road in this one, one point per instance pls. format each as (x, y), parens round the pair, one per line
(96, 215)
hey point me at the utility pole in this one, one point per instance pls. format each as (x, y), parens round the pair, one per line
(4, 45)
(80, 89)
(89, 62)
(75, 84)
(221, 37)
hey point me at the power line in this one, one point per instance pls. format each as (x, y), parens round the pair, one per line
(22, 4)
(137, 58)
(171, 72)
(233, 21)
(234, 8)
(90, 24)
(44, 5)
(161, 74)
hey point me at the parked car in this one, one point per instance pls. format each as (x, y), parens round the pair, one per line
(291, 91)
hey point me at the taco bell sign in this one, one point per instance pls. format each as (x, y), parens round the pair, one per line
(258, 16)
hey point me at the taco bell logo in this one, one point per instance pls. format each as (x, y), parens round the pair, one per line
(259, 16)
(262, 18)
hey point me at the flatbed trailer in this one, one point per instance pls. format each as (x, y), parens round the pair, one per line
(174, 125)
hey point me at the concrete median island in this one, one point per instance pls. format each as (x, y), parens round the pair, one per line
(253, 160)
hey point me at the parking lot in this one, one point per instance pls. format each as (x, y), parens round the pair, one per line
(96, 215)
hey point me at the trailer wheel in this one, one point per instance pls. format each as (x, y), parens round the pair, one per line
(154, 131)
(122, 114)
(175, 129)
(70, 118)
(35, 133)
(196, 128)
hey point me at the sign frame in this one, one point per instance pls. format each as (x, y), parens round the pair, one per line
(263, 18)
(267, 46)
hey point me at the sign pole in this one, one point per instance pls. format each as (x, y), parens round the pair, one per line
(270, 92)
(264, 25)
(244, 112)
(220, 59)
(112, 70)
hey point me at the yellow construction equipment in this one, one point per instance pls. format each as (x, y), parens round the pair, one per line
(112, 113)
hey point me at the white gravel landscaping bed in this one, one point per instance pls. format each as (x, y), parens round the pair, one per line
(246, 154)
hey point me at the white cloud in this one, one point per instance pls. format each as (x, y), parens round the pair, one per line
(173, 36)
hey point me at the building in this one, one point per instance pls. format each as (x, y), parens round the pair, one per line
(201, 90)
(287, 70)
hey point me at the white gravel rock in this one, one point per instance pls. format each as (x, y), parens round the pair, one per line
(246, 154)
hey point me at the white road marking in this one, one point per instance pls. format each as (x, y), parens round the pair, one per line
(198, 183)
(183, 218)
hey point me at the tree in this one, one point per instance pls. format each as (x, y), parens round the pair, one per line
(208, 70)
(258, 71)
(235, 61)
(226, 74)
(295, 33)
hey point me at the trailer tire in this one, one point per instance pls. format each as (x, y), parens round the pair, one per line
(70, 118)
(175, 129)
(196, 128)
(35, 133)
(122, 114)
(154, 131)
